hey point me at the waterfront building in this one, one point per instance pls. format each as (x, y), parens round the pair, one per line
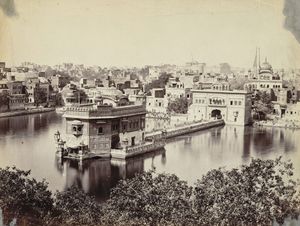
(157, 101)
(16, 87)
(103, 127)
(234, 106)
(13, 96)
(295, 95)
(264, 79)
(3, 86)
(279, 109)
(17, 102)
(292, 112)
(282, 96)
(38, 91)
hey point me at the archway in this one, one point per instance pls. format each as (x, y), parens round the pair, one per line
(216, 114)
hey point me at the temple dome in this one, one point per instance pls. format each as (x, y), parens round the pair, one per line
(266, 66)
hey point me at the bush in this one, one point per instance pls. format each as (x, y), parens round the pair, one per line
(74, 207)
(257, 194)
(23, 196)
(152, 199)
(179, 105)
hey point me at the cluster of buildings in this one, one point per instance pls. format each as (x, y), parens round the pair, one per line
(112, 111)
(285, 92)
(113, 116)
(22, 88)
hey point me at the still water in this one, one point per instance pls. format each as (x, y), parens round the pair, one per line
(28, 143)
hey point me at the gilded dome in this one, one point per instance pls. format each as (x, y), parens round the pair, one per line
(266, 66)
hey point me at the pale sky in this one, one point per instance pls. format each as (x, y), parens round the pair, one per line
(142, 32)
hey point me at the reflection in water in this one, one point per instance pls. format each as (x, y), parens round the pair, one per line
(98, 176)
(27, 142)
(12, 126)
(26, 123)
(263, 138)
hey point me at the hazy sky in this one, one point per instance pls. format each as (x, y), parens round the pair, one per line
(141, 32)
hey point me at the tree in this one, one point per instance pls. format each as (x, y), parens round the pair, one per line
(151, 199)
(238, 83)
(159, 83)
(21, 196)
(179, 105)
(272, 95)
(263, 103)
(74, 207)
(59, 100)
(40, 97)
(255, 194)
(4, 100)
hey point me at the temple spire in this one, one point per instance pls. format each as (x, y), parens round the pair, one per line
(255, 60)
(259, 57)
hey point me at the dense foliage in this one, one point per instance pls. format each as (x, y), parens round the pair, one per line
(4, 99)
(262, 104)
(255, 194)
(159, 83)
(74, 207)
(21, 195)
(238, 83)
(152, 199)
(179, 105)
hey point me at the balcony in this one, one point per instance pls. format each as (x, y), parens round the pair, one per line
(217, 102)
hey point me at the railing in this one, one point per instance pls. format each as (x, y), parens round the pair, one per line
(102, 111)
(168, 133)
(145, 147)
(137, 149)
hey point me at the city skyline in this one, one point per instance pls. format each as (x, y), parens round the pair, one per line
(131, 33)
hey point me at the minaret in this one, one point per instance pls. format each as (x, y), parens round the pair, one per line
(255, 63)
(259, 58)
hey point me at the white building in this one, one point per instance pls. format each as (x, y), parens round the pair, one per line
(292, 112)
(157, 102)
(175, 89)
(135, 95)
(232, 106)
(265, 80)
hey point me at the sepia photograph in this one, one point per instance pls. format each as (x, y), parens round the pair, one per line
(149, 112)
